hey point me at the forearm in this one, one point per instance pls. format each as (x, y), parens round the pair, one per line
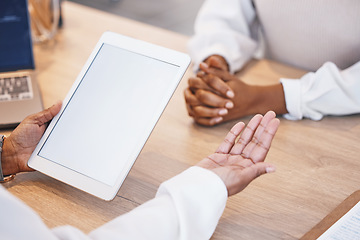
(187, 206)
(270, 98)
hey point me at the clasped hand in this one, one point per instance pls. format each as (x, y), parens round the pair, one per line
(214, 95)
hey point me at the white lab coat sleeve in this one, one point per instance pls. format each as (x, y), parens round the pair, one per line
(224, 28)
(187, 206)
(328, 91)
(18, 221)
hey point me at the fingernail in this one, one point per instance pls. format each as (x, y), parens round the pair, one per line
(230, 94)
(270, 169)
(229, 105)
(57, 102)
(200, 74)
(223, 111)
(204, 64)
(216, 120)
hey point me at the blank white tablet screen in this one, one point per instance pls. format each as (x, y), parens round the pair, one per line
(109, 113)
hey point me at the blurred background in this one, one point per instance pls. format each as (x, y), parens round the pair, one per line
(174, 15)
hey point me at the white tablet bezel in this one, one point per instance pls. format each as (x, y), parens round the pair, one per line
(84, 182)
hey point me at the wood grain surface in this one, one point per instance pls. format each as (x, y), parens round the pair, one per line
(318, 162)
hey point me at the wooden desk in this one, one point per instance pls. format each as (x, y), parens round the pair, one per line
(317, 162)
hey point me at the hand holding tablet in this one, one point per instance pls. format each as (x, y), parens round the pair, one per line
(109, 114)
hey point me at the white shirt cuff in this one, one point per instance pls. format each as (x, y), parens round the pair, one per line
(292, 91)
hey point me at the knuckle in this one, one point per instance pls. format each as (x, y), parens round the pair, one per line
(201, 94)
(191, 81)
(197, 111)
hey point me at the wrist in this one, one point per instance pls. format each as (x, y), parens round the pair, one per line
(254, 99)
(8, 158)
(266, 98)
(274, 99)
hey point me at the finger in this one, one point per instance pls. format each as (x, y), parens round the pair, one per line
(190, 98)
(224, 75)
(218, 85)
(261, 149)
(198, 83)
(247, 175)
(196, 109)
(215, 84)
(258, 169)
(247, 135)
(257, 135)
(209, 121)
(230, 138)
(200, 74)
(212, 100)
(46, 115)
(217, 62)
(189, 109)
(204, 111)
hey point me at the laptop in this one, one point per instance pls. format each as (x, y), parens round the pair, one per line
(19, 93)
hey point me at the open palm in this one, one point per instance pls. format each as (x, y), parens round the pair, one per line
(240, 157)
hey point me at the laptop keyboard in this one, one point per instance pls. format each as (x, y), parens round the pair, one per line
(15, 88)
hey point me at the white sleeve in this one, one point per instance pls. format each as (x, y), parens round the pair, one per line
(328, 91)
(187, 206)
(224, 28)
(18, 221)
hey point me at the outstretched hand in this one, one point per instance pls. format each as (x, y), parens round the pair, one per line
(238, 161)
(21, 143)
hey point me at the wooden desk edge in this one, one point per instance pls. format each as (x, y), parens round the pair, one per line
(333, 217)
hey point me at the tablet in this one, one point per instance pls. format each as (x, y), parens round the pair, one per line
(108, 114)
